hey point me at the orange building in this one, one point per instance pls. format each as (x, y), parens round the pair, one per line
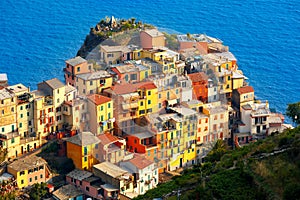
(200, 82)
(81, 148)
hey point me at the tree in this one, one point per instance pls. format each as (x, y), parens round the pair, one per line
(38, 191)
(293, 111)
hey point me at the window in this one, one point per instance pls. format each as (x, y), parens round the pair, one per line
(108, 115)
(159, 95)
(142, 112)
(228, 78)
(22, 173)
(85, 151)
(85, 159)
(22, 181)
(21, 115)
(20, 125)
(21, 107)
(57, 91)
(126, 78)
(133, 77)
(78, 69)
(3, 129)
(30, 179)
(83, 91)
(149, 102)
(149, 153)
(102, 118)
(41, 167)
(12, 109)
(41, 176)
(142, 103)
(91, 82)
(87, 188)
(149, 92)
(108, 105)
(57, 100)
(159, 105)
(35, 178)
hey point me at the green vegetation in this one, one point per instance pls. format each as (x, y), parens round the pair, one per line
(266, 169)
(171, 41)
(293, 111)
(38, 191)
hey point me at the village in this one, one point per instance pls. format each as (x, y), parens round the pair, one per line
(129, 115)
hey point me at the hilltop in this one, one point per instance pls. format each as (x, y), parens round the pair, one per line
(267, 169)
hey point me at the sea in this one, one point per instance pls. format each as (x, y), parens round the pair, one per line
(36, 37)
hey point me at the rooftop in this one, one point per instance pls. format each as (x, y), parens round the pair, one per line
(108, 138)
(6, 94)
(198, 77)
(27, 162)
(108, 48)
(69, 88)
(127, 68)
(94, 75)
(3, 77)
(54, 83)
(245, 89)
(98, 99)
(132, 87)
(153, 32)
(140, 161)
(143, 135)
(18, 88)
(183, 111)
(67, 192)
(83, 139)
(111, 169)
(75, 61)
(79, 174)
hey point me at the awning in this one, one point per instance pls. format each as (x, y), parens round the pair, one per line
(128, 106)
(109, 187)
(172, 101)
(134, 95)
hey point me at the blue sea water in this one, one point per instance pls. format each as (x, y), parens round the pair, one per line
(36, 37)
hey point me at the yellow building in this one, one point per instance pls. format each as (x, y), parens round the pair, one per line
(29, 170)
(93, 83)
(81, 149)
(100, 109)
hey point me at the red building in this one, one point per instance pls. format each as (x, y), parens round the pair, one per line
(199, 82)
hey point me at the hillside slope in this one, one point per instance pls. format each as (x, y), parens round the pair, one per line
(268, 169)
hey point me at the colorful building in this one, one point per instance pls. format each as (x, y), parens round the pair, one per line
(144, 171)
(115, 54)
(151, 38)
(82, 148)
(29, 170)
(200, 85)
(100, 109)
(93, 82)
(75, 66)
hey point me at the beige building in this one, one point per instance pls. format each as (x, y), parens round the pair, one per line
(151, 38)
(93, 83)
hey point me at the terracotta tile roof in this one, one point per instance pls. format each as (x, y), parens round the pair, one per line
(130, 87)
(107, 138)
(98, 99)
(246, 89)
(140, 161)
(198, 77)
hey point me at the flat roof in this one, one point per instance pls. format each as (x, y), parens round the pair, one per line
(67, 192)
(3, 77)
(111, 169)
(79, 174)
(153, 32)
(142, 135)
(94, 75)
(184, 111)
(54, 83)
(108, 48)
(27, 162)
(75, 61)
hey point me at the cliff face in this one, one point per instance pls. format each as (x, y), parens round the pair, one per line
(91, 41)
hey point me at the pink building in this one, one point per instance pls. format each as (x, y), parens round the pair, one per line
(76, 66)
(152, 38)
